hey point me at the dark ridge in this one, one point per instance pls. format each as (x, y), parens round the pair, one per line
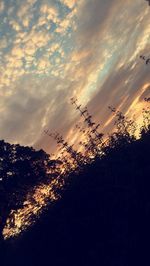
(21, 170)
(101, 220)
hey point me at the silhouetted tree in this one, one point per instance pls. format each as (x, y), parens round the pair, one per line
(21, 168)
(89, 225)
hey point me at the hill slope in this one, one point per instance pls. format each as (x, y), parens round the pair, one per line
(101, 219)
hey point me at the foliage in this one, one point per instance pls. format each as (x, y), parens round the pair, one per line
(93, 138)
(102, 217)
(146, 120)
(93, 143)
(21, 168)
(73, 160)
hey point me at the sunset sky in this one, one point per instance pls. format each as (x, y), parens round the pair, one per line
(52, 50)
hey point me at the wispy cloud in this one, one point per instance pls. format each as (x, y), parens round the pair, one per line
(51, 52)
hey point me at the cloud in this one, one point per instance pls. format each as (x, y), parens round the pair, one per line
(2, 6)
(3, 43)
(15, 25)
(63, 26)
(29, 109)
(50, 12)
(17, 52)
(91, 52)
(43, 64)
(69, 3)
(24, 48)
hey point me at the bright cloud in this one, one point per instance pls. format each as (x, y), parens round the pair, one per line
(2, 6)
(69, 3)
(50, 52)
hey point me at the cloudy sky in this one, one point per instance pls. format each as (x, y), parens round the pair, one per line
(51, 50)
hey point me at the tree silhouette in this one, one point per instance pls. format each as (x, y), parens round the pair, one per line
(21, 168)
(89, 225)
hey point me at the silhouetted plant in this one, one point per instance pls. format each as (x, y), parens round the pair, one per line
(147, 60)
(124, 130)
(94, 139)
(147, 99)
(74, 160)
(145, 129)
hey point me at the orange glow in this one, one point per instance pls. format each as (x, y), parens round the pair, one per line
(21, 219)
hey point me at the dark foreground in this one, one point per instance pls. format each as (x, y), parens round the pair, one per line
(102, 220)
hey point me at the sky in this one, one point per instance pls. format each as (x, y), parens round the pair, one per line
(52, 50)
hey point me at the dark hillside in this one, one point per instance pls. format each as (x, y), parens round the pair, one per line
(102, 219)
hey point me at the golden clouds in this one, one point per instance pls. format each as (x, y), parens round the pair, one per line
(29, 41)
(50, 13)
(2, 6)
(69, 3)
(29, 48)
(31, 2)
(24, 48)
(25, 13)
(42, 21)
(63, 25)
(26, 22)
(135, 109)
(14, 63)
(3, 43)
(54, 47)
(80, 55)
(17, 52)
(38, 38)
(43, 65)
(67, 22)
(15, 25)
(86, 50)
